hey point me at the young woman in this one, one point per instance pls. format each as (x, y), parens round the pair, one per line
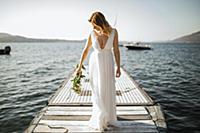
(103, 39)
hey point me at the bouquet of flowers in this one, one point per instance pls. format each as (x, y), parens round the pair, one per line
(76, 81)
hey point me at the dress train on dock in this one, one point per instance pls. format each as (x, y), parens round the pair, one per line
(102, 81)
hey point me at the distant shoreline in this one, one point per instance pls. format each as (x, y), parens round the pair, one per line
(42, 41)
(8, 38)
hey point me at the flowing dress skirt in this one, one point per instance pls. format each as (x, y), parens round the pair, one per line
(102, 81)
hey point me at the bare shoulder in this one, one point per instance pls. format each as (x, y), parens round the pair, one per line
(115, 30)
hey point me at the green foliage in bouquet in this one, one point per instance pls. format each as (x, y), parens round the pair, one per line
(76, 81)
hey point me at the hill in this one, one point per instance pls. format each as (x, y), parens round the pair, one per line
(5, 37)
(192, 38)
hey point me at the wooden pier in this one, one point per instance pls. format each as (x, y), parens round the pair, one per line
(68, 111)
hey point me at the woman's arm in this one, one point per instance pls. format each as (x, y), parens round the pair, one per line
(85, 51)
(117, 53)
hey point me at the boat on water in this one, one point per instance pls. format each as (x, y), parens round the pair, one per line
(5, 51)
(137, 46)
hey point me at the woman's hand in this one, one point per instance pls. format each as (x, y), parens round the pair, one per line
(78, 70)
(118, 72)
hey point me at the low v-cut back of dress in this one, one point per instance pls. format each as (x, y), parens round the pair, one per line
(102, 81)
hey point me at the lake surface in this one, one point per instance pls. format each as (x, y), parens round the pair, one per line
(170, 73)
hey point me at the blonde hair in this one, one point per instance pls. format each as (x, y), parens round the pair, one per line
(98, 19)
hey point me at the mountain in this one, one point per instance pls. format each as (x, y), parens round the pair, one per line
(5, 37)
(192, 38)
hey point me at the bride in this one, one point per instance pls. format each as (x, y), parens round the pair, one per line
(103, 39)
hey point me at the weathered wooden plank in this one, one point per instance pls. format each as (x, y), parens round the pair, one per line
(124, 126)
(88, 112)
(50, 126)
(85, 129)
(140, 123)
(90, 108)
(87, 117)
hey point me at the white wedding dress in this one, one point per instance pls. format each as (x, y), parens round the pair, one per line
(102, 81)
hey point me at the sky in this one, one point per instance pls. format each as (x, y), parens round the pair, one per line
(136, 20)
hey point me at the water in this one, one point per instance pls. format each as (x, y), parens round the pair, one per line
(170, 73)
